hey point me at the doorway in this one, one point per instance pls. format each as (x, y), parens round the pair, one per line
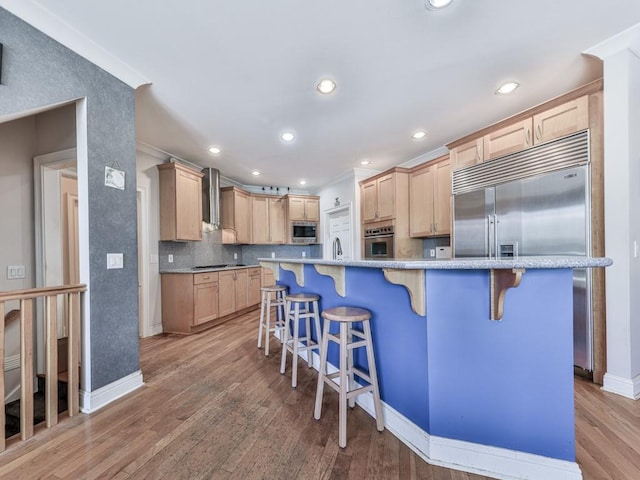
(338, 241)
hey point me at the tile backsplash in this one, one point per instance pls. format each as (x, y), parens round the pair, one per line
(211, 251)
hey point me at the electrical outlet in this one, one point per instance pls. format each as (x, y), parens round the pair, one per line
(432, 252)
(235, 256)
(273, 254)
(170, 258)
(304, 254)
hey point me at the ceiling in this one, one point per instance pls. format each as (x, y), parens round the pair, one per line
(238, 73)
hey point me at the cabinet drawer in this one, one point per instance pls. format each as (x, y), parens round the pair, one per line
(205, 277)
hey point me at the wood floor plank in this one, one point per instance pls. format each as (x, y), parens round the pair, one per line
(214, 407)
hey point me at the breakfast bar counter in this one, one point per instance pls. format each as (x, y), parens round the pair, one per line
(474, 356)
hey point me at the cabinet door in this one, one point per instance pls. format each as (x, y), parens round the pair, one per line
(467, 154)
(205, 302)
(242, 217)
(562, 120)
(312, 209)
(277, 231)
(386, 197)
(442, 199)
(226, 294)
(259, 220)
(255, 282)
(369, 201)
(421, 186)
(267, 277)
(188, 206)
(296, 208)
(509, 139)
(241, 288)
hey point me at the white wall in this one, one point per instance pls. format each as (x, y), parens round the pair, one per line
(347, 190)
(622, 199)
(16, 199)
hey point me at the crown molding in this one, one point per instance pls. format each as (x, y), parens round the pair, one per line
(50, 24)
(628, 39)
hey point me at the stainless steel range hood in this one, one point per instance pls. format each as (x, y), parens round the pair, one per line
(211, 197)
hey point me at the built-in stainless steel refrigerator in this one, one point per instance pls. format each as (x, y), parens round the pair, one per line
(535, 203)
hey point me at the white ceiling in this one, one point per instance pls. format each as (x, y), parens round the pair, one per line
(238, 73)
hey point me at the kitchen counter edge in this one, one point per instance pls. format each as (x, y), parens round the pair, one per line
(458, 263)
(205, 270)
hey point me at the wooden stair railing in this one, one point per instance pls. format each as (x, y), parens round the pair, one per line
(71, 296)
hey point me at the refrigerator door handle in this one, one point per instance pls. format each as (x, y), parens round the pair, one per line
(495, 236)
(488, 245)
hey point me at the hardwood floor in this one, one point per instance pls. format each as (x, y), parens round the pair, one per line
(213, 407)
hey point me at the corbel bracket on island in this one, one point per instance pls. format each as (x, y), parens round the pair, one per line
(337, 273)
(297, 269)
(274, 267)
(502, 280)
(414, 282)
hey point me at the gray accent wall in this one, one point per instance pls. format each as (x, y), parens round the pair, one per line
(38, 72)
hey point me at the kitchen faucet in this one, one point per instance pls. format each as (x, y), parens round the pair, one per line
(337, 249)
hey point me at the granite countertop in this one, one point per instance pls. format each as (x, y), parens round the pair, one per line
(212, 268)
(459, 263)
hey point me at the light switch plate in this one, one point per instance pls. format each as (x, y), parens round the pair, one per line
(15, 272)
(115, 260)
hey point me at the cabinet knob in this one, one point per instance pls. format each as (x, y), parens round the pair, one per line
(538, 132)
(528, 139)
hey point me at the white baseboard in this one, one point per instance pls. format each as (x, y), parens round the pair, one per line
(154, 330)
(95, 400)
(627, 387)
(469, 457)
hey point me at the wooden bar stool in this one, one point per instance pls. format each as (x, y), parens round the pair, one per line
(278, 301)
(348, 339)
(300, 306)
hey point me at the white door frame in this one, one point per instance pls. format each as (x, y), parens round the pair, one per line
(61, 161)
(327, 245)
(144, 327)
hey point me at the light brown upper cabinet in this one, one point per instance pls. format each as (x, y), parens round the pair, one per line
(522, 133)
(467, 154)
(430, 199)
(509, 139)
(180, 203)
(267, 224)
(562, 120)
(235, 213)
(379, 198)
(303, 208)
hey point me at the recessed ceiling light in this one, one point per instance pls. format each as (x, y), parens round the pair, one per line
(326, 86)
(215, 150)
(507, 88)
(419, 135)
(255, 173)
(365, 162)
(436, 4)
(303, 182)
(287, 137)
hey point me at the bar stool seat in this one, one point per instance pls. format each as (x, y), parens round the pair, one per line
(272, 296)
(300, 306)
(343, 381)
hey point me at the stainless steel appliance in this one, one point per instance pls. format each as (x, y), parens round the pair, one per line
(532, 203)
(304, 232)
(378, 242)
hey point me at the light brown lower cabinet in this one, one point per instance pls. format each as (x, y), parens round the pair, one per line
(192, 302)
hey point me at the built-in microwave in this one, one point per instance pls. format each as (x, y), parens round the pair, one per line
(304, 232)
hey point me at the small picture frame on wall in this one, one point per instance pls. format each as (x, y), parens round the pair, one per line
(114, 178)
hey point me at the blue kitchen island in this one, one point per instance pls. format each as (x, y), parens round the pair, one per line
(474, 356)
